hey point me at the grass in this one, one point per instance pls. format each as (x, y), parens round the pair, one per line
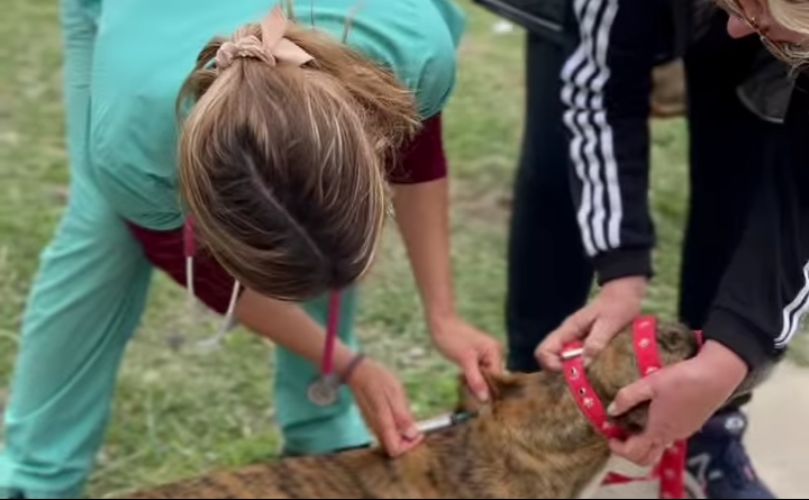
(180, 412)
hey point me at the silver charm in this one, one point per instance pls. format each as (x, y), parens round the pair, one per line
(325, 391)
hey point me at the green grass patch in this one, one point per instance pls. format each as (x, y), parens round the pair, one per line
(182, 411)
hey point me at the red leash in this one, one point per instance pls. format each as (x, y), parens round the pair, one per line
(671, 470)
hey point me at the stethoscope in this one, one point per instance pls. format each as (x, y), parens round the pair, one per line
(190, 250)
(325, 389)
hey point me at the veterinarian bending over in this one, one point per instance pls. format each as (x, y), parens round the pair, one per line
(764, 288)
(283, 162)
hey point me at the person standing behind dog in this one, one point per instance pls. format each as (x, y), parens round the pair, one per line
(746, 274)
(290, 137)
(610, 60)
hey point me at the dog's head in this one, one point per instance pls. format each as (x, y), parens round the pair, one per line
(618, 366)
(539, 406)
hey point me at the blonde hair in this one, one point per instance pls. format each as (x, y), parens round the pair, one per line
(791, 14)
(283, 167)
(794, 16)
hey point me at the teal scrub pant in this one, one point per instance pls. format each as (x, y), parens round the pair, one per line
(85, 305)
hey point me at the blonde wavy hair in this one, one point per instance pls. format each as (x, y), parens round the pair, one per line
(790, 14)
(283, 167)
(794, 16)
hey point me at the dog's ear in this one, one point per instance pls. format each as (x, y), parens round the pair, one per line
(501, 386)
(467, 402)
(677, 342)
(634, 421)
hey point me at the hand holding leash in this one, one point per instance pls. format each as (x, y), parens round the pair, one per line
(683, 397)
(616, 306)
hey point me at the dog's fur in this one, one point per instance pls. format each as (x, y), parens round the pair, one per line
(531, 442)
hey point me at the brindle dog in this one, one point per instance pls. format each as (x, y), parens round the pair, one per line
(530, 442)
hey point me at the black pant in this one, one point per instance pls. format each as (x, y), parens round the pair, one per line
(549, 275)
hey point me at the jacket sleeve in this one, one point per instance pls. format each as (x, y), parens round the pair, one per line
(607, 83)
(764, 293)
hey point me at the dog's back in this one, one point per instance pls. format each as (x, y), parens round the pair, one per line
(530, 442)
(497, 455)
(430, 471)
(365, 474)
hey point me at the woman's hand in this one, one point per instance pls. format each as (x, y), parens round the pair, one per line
(471, 349)
(617, 305)
(379, 394)
(422, 212)
(385, 407)
(683, 397)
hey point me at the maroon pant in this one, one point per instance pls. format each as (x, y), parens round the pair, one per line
(166, 251)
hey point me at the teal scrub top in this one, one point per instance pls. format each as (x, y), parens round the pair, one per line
(145, 49)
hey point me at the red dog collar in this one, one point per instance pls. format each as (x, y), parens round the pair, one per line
(671, 470)
(584, 394)
(590, 404)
